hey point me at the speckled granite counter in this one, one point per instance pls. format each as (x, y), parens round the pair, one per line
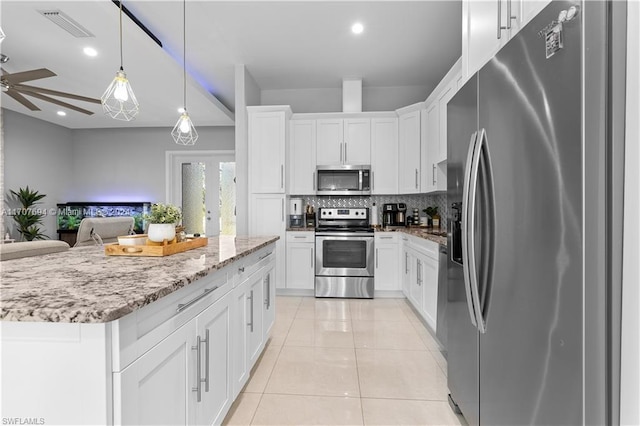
(427, 234)
(86, 286)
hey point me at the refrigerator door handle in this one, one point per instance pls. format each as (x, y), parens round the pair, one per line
(464, 225)
(481, 303)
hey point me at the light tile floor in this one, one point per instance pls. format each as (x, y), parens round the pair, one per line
(346, 362)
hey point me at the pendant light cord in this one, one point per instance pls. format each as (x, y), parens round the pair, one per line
(121, 61)
(184, 53)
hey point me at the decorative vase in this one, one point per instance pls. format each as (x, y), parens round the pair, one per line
(158, 232)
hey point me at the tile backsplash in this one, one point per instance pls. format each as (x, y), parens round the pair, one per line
(421, 201)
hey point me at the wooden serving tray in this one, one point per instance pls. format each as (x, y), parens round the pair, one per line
(155, 249)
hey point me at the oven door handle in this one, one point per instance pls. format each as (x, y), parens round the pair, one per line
(350, 235)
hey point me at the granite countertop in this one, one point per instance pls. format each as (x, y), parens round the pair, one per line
(84, 285)
(426, 233)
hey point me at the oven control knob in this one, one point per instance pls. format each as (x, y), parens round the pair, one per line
(357, 213)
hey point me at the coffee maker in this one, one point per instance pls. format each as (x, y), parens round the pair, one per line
(401, 215)
(389, 214)
(296, 215)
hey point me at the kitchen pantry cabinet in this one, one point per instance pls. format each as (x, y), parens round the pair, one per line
(487, 25)
(409, 133)
(302, 164)
(300, 260)
(384, 156)
(387, 261)
(343, 141)
(267, 216)
(268, 133)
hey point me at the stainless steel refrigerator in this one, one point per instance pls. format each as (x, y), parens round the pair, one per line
(531, 169)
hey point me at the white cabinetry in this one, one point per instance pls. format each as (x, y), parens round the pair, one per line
(387, 261)
(487, 25)
(302, 164)
(185, 378)
(300, 260)
(269, 301)
(409, 149)
(255, 319)
(384, 155)
(268, 131)
(343, 141)
(420, 278)
(434, 132)
(240, 364)
(268, 217)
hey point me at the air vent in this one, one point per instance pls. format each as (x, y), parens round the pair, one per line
(66, 23)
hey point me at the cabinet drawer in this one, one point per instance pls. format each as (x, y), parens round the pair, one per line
(136, 333)
(301, 237)
(387, 237)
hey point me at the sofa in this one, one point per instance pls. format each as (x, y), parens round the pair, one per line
(31, 248)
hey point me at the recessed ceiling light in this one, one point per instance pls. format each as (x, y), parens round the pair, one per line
(62, 113)
(357, 28)
(90, 51)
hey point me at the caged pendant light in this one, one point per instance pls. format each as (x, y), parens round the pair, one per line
(2, 36)
(184, 133)
(119, 101)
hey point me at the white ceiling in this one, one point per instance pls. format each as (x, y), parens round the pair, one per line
(284, 45)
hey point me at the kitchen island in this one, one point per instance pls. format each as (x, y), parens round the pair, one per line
(95, 339)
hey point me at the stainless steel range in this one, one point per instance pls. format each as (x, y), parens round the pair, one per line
(344, 253)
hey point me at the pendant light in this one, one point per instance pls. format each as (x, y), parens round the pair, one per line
(184, 133)
(119, 101)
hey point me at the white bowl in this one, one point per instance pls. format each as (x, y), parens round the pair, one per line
(133, 240)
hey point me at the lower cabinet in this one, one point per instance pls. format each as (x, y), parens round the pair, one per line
(300, 260)
(185, 379)
(387, 261)
(197, 361)
(420, 277)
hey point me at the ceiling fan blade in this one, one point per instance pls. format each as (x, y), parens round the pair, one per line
(19, 77)
(57, 102)
(24, 101)
(33, 89)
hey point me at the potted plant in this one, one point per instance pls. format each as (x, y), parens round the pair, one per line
(28, 218)
(431, 211)
(162, 220)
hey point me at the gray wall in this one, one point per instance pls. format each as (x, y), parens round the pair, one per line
(92, 165)
(38, 154)
(330, 100)
(129, 164)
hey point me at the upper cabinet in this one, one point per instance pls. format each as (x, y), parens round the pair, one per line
(302, 164)
(268, 132)
(384, 155)
(488, 25)
(409, 136)
(343, 141)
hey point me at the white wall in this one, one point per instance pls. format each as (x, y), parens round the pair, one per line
(38, 154)
(247, 94)
(330, 100)
(630, 362)
(129, 164)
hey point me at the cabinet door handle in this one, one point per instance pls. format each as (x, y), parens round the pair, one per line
(250, 324)
(500, 26)
(281, 176)
(311, 256)
(510, 17)
(385, 238)
(376, 258)
(266, 255)
(241, 269)
(341, 153)
(406, 262)
(416, 178)
(183, 306)
(206, 360)
(373, 181)
(299, 236)
(267, 299)
(418, 274)
(345, 153)
(433, 174)
(282, 209)
(198, 388)
(314, 181)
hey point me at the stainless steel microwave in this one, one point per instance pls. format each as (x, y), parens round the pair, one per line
(343, 180)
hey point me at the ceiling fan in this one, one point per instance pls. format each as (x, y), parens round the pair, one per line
(12, 85)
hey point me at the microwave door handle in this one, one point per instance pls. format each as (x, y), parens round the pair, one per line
(314, 181)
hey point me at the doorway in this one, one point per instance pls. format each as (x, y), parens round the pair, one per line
(203, 184)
